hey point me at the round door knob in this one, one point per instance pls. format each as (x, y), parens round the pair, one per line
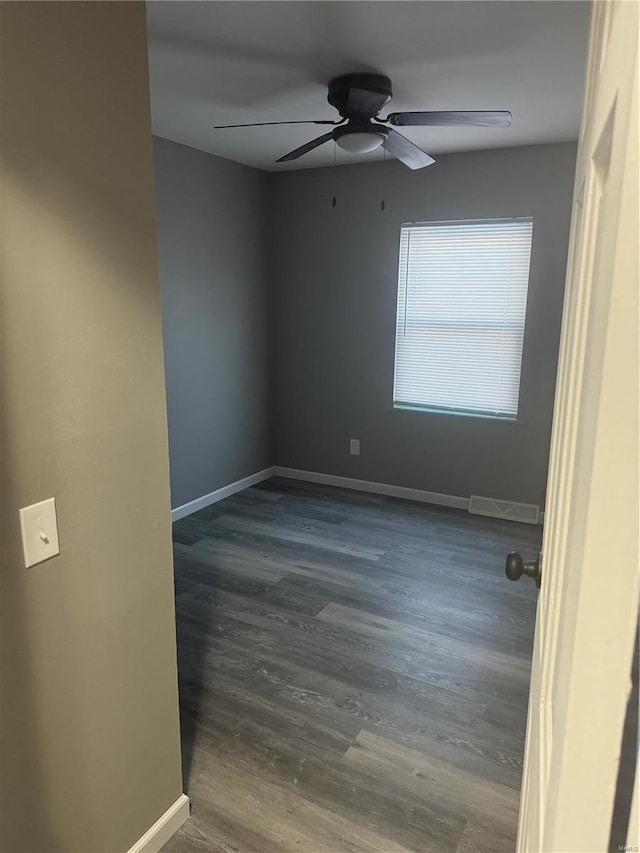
(516, 567)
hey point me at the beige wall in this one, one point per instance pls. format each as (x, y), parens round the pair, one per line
(90, 750)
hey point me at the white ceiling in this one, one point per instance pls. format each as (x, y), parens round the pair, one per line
(243, 61)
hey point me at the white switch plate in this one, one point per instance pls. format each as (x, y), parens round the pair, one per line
(39, 532)
(354, 446)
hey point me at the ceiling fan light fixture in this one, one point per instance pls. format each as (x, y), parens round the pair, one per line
(358, 98)
(361, 142)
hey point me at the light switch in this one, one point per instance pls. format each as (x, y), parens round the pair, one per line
(39, 532)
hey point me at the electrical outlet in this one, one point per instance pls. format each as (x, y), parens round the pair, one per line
(354, 446)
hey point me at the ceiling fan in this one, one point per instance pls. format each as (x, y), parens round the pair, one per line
(359, 98)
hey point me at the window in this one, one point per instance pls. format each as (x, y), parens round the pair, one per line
(462, 298)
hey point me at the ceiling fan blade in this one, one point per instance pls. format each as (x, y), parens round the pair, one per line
(405, 151)
(304, 149)
(265, 123)
(450, 118)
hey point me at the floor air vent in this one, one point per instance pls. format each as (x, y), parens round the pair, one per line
(528, 513)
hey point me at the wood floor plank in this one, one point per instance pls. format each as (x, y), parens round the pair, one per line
(437, 782)
(253, 815)
(229, 556)
(353, 674)
(462, 737)
(484, 836)
(422, 639)
(289, 533)
(301, 759)
(295, 628)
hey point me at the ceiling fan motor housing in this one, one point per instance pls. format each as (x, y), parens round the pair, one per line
(359, 97)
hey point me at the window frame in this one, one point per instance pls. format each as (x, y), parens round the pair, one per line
(443, 410)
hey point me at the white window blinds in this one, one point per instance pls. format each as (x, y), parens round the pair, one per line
(462, 298)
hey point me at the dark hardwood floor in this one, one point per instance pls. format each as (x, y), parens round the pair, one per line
(354, 673)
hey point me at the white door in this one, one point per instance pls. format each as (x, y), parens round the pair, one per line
(588, 602)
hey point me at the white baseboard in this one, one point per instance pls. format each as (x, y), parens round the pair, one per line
(375, 488)
(220, 494)
(167, 825)
(388, 489)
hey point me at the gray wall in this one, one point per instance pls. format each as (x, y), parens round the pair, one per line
(211, 255)
(334, 277)
(89, 701)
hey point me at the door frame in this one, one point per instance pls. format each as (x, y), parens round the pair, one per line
(588, 606)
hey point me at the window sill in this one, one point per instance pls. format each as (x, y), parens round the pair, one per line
(450, 413)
